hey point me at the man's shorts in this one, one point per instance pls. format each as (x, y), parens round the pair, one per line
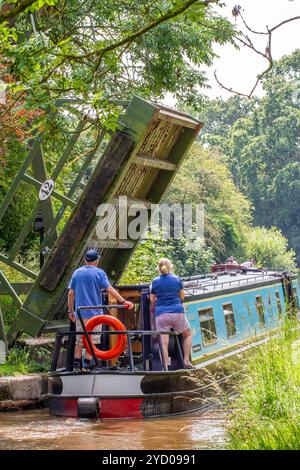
(95, 338)
(177, 321)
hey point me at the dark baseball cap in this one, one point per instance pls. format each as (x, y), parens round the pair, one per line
(91, 255)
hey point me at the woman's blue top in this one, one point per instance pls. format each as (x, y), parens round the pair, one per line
(166, 288)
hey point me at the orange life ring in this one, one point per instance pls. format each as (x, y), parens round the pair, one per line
(121, 340)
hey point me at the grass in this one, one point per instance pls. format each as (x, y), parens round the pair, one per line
(20, 362)
(266, 412)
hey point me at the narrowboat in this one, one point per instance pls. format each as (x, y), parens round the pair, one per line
(229, 311)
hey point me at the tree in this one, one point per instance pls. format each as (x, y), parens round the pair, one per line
(13, 134)
(101, 51)
(98, 53)
(262, 147)
(247, 38)
(204, 178)
(269, 248)
(188, 258)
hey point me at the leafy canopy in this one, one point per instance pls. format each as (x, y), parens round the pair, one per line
(98, 51)
(261, 143)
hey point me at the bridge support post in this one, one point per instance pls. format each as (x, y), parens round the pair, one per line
(3, 341)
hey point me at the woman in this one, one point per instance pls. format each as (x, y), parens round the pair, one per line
(166, 297)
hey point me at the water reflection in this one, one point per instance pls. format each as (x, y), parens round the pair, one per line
(37, 430)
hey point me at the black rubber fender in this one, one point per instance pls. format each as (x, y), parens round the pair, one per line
(88, 408)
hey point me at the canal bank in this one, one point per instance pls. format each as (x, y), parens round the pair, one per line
(23, 391)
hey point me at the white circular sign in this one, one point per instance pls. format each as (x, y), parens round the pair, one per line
(46, 190)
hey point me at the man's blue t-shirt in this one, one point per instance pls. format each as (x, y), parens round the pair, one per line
(87, 282)
(166, 288)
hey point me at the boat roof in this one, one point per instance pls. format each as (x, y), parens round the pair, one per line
(217, 282)
(231, 280)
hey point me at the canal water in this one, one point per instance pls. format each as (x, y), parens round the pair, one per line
(38, 430)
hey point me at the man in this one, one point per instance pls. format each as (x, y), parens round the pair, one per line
(85, 289)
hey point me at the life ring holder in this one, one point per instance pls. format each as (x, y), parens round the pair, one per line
(115, 323)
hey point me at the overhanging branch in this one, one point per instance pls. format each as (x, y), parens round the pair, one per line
(131, 37)
(267, 54)
(10, 11)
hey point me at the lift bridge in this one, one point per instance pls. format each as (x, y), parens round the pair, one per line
(139, 161)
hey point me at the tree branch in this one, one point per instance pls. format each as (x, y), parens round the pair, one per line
(267, 54)
(9, 12)
(248, 27)
(131, 37)
(284, 22)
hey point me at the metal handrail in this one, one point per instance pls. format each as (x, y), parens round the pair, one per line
(99, 307)
(128, 333)
(121, 332)
(94, 307)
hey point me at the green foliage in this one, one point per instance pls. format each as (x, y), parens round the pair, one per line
(39, 4)
(189, 258)
(77, 53)
(97, 51)
(261, 143)
(7, 35)
(266, 413)
(204, 178)
(219, 116)
(142, 266)
(9, 309)
(20, 362)
(269, 248)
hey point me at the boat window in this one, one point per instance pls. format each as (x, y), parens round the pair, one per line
(260, 309)
(278, 301)
(296, 298)
(229, 320)
(269, 298)
(207, 325)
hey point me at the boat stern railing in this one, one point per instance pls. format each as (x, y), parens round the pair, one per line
(130, 334)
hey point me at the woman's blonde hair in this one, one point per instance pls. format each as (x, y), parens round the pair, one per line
(164, 266)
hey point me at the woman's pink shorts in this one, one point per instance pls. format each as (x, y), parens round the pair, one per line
(177, 321)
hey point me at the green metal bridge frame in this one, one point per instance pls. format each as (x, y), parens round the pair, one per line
(139, 161)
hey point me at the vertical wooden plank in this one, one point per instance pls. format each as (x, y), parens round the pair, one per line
(176, 156)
